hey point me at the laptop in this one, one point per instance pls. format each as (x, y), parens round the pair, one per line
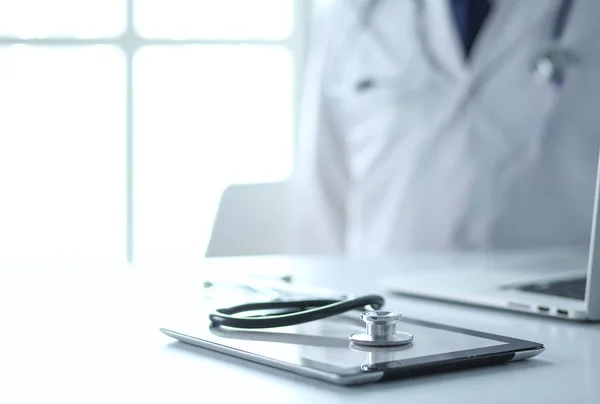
(564, 284)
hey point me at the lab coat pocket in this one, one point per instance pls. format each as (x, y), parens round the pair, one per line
(523, 107)
(383, 98)
(543, 101)
(375, 122)
(364, 105)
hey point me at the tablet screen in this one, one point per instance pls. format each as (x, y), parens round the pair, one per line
(327, 341)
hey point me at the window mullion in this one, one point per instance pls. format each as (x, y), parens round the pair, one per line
(130, 42)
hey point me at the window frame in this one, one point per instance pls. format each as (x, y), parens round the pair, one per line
(130, 42)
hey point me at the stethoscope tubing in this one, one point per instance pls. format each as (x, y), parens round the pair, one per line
(302, 311)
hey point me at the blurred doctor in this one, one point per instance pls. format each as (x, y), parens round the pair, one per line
(449, 124)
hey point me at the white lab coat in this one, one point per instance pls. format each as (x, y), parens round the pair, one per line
(451, 154)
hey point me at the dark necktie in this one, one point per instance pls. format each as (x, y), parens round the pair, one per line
(469, 16)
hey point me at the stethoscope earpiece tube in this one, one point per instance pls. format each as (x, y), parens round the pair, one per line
(303, 311)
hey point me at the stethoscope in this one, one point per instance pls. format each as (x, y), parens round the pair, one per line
(380, 324)
(551, 66)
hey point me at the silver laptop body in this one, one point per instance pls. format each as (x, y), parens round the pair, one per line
(563, 284)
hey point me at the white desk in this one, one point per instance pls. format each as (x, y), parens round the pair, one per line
(90, 334)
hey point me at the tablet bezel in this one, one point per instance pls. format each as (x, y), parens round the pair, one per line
(436, 363)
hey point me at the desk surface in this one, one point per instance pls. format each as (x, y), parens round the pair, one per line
(83, 333)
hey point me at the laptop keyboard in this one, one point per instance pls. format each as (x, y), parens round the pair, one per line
(571, 288)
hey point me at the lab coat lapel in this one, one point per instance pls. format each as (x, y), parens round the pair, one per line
(509, 21)
(443, 37)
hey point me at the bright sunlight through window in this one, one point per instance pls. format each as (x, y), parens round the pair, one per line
(124, 120)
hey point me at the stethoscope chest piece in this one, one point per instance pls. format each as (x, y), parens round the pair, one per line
(552, 65)
(381, 330)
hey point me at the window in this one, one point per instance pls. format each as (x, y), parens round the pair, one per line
(124, 120)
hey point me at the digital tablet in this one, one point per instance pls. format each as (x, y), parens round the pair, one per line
(322, 350)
